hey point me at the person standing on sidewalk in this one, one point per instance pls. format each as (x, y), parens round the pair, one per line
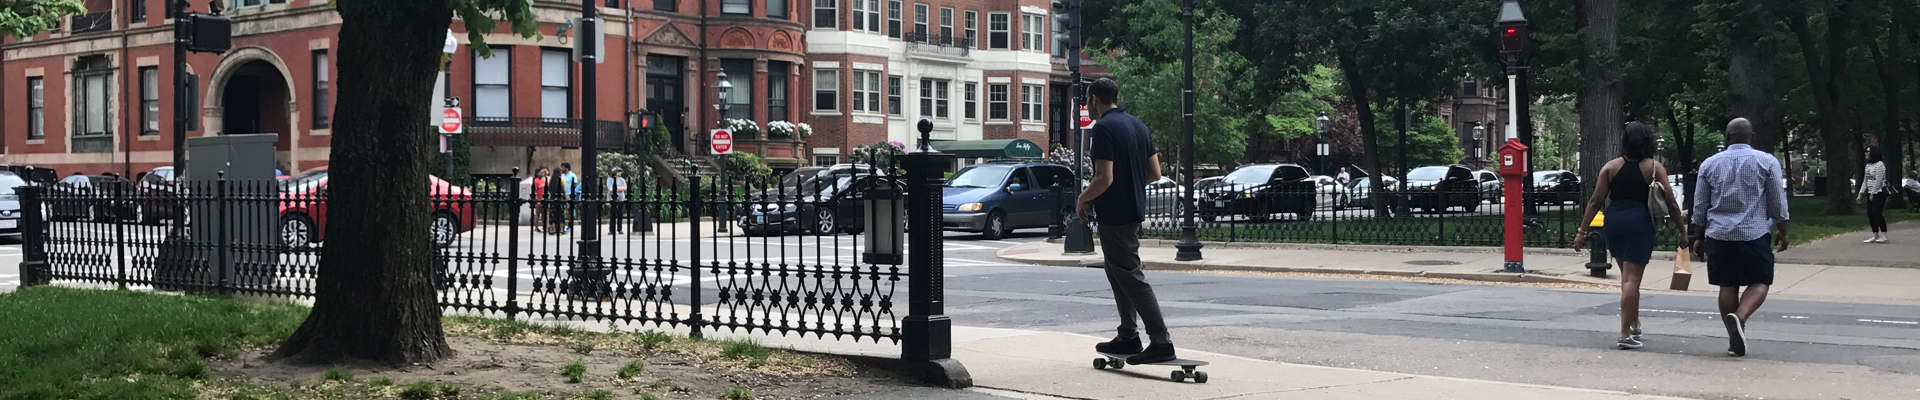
(1736, 202)
(1623, 188)
(1875, 189)
(1124, 161)
(616, 194)
(539, 193)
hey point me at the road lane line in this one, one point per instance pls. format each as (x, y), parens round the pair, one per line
(1882, 321)
(1679, 312)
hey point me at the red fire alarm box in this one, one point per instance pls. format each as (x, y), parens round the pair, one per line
(1513, 159)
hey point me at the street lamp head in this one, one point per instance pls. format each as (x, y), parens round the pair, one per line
(724, 85)
(1511, 30)
(1320, 124)
(1479, 131)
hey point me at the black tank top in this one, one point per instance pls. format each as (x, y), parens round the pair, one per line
(1628, 184)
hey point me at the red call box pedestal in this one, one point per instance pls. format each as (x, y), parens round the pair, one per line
(1513, 171)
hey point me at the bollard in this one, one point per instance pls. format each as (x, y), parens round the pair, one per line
(1597, 241)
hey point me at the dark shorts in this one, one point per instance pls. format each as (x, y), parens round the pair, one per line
(1740, 263)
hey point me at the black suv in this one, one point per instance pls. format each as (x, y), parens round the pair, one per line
(1556, 187)
(1259, 191)
(1437, 188)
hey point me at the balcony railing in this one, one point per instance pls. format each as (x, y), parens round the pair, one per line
(543, 132)
(93, 22)
(946, 45)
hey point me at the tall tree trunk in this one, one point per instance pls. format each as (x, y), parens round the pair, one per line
(1750, 73)
(1357, 89)
(1601, 90)
(1824, 70)
(375, 294)
(1888, 64)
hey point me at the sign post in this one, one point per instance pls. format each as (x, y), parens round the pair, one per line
(450, 123)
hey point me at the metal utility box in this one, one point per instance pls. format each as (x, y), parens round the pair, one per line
(237, 219)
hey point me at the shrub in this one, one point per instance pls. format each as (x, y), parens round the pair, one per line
(575, 371)
(737, 393)
(338, 373)
(653, 339)
(632, 369)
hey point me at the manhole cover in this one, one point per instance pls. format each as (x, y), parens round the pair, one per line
(1433, 262)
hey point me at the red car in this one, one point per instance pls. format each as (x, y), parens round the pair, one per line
(303, 220)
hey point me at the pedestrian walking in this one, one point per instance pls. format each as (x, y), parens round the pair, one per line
(557, 205)
(1344, 176)
(1124, 161)
(572, 181)
(539, 193)
(1735, 203)
(1874, 190)
(1626, 188)
(617, 193)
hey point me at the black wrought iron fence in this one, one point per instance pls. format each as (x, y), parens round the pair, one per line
(1337, 214)
(787, 255)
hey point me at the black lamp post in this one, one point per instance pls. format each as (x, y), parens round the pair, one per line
(1511, 31)
(725, 186)
(1479, 143)
(1324, 149)
(1188, 249)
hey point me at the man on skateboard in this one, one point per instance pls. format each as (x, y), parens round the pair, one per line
(1124, 161)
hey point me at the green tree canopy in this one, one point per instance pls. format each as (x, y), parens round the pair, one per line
(1152, 79)
(25, 18)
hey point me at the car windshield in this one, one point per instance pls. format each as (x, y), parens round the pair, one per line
(799, 176)
(980, 176)
(304, 181)
(1546, 176)
(8, 182)
(1250, 175)
(1427, 174)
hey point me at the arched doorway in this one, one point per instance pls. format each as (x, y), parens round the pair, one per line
(255, 100)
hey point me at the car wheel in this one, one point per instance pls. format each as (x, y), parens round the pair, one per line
(296, 231)
(1473, 207)
(823, 223)
(445, 229)
(996, 226)
(1305, 215)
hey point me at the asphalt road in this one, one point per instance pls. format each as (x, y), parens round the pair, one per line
(1800, 348)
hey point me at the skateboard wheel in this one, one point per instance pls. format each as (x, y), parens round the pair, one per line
(1179, 376)
(1099, 363)
(1117, 364)
(1200, 377)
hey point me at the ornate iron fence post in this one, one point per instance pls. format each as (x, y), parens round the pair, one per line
(33, 236)
(222, 243)
(513, 242)
(928, 333)
(694, 203)
(119, 235)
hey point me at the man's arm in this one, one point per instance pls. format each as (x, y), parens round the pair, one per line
(1701, 197)
(1153, 169)
(1776, 205)
(1102, 179)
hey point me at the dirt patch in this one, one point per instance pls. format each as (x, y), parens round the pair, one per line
(497, 361)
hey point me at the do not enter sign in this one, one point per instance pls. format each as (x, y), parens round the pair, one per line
(721, 141)
(450, 120)
(1086, 121)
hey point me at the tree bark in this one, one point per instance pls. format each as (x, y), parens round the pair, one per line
(1601, 90)
(1750, 73)
(375, 295)
(1887, 62)
(1357, 89)
(1824, 69)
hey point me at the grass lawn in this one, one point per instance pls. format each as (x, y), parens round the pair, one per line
(59, 343)
(1810, 223)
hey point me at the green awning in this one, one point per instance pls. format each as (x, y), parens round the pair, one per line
(999, 148)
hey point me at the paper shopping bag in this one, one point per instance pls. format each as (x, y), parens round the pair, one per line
(1682, 269)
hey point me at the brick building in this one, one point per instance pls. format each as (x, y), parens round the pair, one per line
(94, 96)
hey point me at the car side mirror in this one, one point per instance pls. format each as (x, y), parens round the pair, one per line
(1015, 188)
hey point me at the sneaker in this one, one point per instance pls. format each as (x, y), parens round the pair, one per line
(1870, 240)
(1629, 343)
(1119, 346)
(1634, 333)
(1736, 335)
(1156, 353)
(1879, 240)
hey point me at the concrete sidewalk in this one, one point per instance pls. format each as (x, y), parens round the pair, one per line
(1846, 249)
(1485, 264)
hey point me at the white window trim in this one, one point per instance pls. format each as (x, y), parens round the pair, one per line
(835, 89)
(1008, 30)
(1008, 102)
(972, 27)
(861, 75)
(1030, 32)
(970, 100)
(834, 5)
(1033, 103)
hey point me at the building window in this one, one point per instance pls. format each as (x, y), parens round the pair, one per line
(36, 109)
(997, 101)
(740, 101)
(1033, 38)
(822, 159)
(866, 15)
(999, 25)
(137, 11)
(149, 101)
(933, 98)
(613, 3)
(665, 5)
(492, 94)
(920, 20)
(321, 77)
(972, 27)
(866, 91)
(777, 9)
(736, 7)
(893, 95)
(777, 91)
(91, 131)
(971, 96)
(556, 84)
(946, 25)
(1031, 101)
(826, 14)
(1471, 89)
(893, 18)
(826, 90)
(248, 3)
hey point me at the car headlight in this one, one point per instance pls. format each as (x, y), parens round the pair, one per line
(1248, 195)
(970, 207)
(791, 207)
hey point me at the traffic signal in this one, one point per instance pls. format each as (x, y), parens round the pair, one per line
(1066, 33)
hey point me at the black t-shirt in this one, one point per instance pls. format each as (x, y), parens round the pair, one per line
(1122, 139)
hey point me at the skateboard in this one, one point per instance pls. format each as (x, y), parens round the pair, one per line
(1188, 368)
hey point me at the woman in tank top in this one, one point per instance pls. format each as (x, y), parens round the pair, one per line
(1622, 189)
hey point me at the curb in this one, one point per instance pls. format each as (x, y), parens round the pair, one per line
(1202, 266)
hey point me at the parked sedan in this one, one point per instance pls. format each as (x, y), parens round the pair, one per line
(1259, 191)
(1490, 186)
(1556, 186)
(153, 188)
(834, 208)
(1163, 197)
(303, 210)
(1329, 193)
(1437, 188)
(1362, 193)
(89, 198)
(998, 197)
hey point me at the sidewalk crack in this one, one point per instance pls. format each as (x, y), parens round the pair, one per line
(1311, 388)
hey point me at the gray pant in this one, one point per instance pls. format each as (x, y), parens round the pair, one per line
(1120, 244)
